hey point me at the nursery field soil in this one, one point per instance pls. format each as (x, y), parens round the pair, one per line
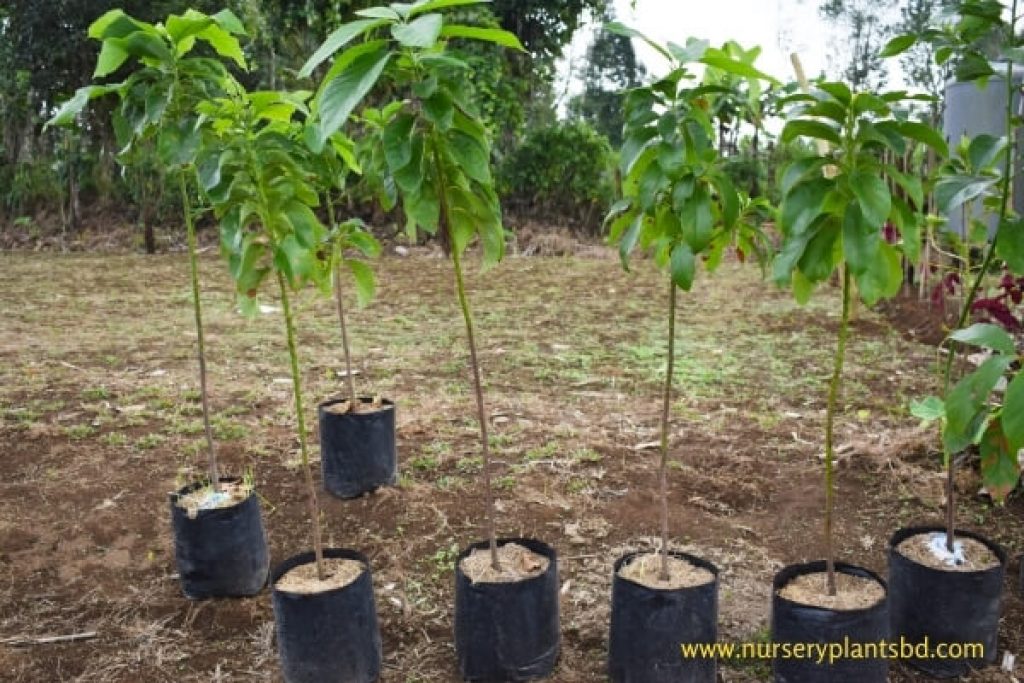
(99, 421)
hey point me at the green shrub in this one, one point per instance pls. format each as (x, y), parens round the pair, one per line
(560, 173)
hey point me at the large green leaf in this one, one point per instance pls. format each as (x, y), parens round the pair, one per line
(952, 192)
(470, 155)
(929, 409)
(818, 130)
(433, 5)
(110, 60)
(69, 111)
(720, 60)
(629, 239)
(339, 96)
(683, 266)
(883, 277)
(489, 35)
(420, 32)
(986, 336)
(898, 45)
(860, 240)
(984, 150)
(967, 404)
(696, 219)
(821, 256)
(338, 39)
(366, 284)
(873, 196)
(397, 139)
(223, 43)
(1010, 246)
(802, 206)
(1013, 412)
(925, 134)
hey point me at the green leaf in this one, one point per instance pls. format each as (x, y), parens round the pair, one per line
(952, 192)
(873, 196)
(69, 111)
(397, 139)
(803, 288)
(910, 184)
(1013, 412)
(110, 60)
(967, 404)
(696, 219)
(929, 409)
(984, 150)
(115, 24)
(470, 155)
(986, 336)
(898, 45)
(623, 30)
(339, 96)
(142, 45)
(224, 44)
(420, 32)
(925, 134)
(228, 21)
(489, 35)
(719, 60)
(692, 52)
(860, 240)
(1000, 470)
(379, 13)
(295, 261)
(838, 91)
(811, 129)
(820, 258)
(308, 229)
(883, 277)
(423, 208)
(339, 38)
(366, 284)
(432, 5)
(728, 199)
(799, 170)
(1010, 246)
(629, 239)
(684, 265)
(802, 206)
(410, 177)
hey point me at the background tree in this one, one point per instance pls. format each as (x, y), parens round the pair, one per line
(862, 27)
(611, 67)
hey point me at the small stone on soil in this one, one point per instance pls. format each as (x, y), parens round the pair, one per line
(517, 564)
(852, 592)
(977, 556)
(646, 570)
(303, 579)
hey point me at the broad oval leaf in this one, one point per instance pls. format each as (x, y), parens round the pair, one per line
(339, 96)
(898, 45)
(338, 39)
(488, 35)
(986, 336)
(818, 130)
(873, 196)
(420, 32)
(1013, 412)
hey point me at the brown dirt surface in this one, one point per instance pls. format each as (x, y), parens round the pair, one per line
(517, 564)
(646, 571)
(100, 420)
(852, 592)
(977, 555)
(375, 405)
(338, 573)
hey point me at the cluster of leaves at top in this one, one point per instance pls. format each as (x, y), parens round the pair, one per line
(266, 161)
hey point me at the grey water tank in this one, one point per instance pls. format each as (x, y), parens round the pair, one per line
(972, 110)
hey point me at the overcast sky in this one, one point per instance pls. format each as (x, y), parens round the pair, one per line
(748, 22)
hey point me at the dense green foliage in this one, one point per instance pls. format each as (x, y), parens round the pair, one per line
(564, 172)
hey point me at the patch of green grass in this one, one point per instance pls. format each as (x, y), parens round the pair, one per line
(79, 432)
(425, 463)
(469, 465)
(586, 455)
(545, 452)
(505, 483)
(448, 482)
(498, 441)
(577, 485)
(114, 439)
(179, 426)
(149, 441)
(226, 429)
(95, 393)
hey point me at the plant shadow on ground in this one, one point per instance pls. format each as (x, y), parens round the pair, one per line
(99, 417)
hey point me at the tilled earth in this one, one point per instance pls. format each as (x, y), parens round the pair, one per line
(99, 418)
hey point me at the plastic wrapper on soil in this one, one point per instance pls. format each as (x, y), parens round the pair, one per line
(328, 637)
(794, 623)
(945, 607)
(357, 450)
(649, 625)
(221, 552)
(507, 631)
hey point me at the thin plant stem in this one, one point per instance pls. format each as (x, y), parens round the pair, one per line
(830, 412)
(293, 354)
(972, 294)
(197, 307)
(467, 316)
(339, 300)
(666, 405)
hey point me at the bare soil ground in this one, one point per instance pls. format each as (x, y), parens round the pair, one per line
(99, 421)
